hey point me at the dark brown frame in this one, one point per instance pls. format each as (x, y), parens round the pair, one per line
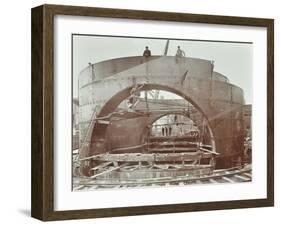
(42, 202)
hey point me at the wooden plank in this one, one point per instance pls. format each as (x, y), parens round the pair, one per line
(78, 188)
(181, 166)
(180, 156)
(213, 181)
(117, 186)
(107, 171)
(241, 177)
(206, 145)
(232, 169)
(140, 157)
(248, 175)
(93, 187)
(208, 151)
(228, 180)
(176, 166)
(103, 122)
(129, 148)
(169, 143)
(100, 166)
(164, 166)
(177, 149)
(129, 168)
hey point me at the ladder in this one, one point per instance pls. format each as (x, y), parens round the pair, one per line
(87, 137)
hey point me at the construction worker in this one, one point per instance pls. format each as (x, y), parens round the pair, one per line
(133, 99)
(179, 54)
(93, 72)
(147, 52)
(166, 131)
(170, 130)
(163, 131)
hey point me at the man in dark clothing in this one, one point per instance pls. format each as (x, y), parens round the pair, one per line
(170, 130)
(166, 131)
(146, 52)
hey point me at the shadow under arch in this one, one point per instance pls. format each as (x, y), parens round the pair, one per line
(98, 133)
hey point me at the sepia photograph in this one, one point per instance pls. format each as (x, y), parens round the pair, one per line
(139, 112)
(155, 112)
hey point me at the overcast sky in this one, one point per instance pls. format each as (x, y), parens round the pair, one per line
(233, 60)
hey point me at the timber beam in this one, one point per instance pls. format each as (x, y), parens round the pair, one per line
(151, 157)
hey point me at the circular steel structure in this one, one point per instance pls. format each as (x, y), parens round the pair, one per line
(103, 86)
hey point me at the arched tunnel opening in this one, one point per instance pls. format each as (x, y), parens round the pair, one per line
(184, 124)
(126, 131)
(145, 104)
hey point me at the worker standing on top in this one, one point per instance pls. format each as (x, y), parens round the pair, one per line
(147, 52)
(179, 54)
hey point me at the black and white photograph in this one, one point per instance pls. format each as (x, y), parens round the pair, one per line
(154, 112)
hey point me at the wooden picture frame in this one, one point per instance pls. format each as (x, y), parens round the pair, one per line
(43, 111)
